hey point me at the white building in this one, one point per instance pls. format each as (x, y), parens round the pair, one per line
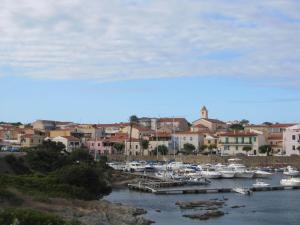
(70, 142)
(190, 137)
(291, 140)
(233, 143)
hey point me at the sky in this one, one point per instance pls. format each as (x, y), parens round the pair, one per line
(100, 61)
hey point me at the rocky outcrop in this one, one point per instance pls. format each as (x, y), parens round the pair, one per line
(195, 204)
(205, 216)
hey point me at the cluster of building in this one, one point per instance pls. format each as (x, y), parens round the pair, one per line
(143, 136)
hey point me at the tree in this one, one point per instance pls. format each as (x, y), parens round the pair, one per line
(161, 149)
(81, 155)
(267, 123)
(265, 149)
(145, 144)
(119, 147)
(203, 147)
(247, 148)
(188, 148)
(47, 157)
(244, 122)
(133, 120)
(212, 147)
(236, 127)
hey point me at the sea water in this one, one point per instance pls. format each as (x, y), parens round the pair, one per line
(261, 208)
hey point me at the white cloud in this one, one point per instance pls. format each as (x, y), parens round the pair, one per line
(112, 40)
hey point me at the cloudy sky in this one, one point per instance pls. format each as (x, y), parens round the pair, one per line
(103, 60)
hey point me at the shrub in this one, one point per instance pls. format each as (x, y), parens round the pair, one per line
(17, 164)
(31, 217)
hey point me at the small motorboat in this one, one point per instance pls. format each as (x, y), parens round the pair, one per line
(243, 191)
(291, 182)
(290, 171)
(262, 174)
(260, 184)
(197, 181)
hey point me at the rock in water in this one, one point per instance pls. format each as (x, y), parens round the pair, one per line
(205, 216)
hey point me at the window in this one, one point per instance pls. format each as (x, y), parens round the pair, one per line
(191, 138)
(236, 140)
(294, 147)
(136, 147)
(184, 138)
(236, 147)
(293, 137)
(208, 141)
(254, 139)
(99, 144)
(226, 140)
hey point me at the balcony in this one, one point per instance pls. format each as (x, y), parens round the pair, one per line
(235, 143)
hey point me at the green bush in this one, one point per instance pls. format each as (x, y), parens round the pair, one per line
(31, 217)
(17, 164)
(9, 197)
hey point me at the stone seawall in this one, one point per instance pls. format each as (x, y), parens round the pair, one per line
(251, 161)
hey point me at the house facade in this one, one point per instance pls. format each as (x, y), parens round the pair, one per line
(189, 137)
(232, 143)
(291, 140)
(71, 143)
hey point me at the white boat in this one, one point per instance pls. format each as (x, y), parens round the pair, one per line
(243, 191)
(211, 174)
(197, 181)
(135, 167)
(175, 166)
(262, 174)
(292, 182)
(226, 172)
(241, 171)
(163, 175)
(116, 165)
(290, 171)
(260, 184)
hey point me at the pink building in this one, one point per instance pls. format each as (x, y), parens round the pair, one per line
(101, 146)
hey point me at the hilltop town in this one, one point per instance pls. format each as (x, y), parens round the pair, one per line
(158, 136)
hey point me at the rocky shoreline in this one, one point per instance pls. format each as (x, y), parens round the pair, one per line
(99, 212)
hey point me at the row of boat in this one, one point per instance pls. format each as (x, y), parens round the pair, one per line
(209, 171)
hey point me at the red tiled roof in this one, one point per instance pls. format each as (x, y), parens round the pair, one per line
(200, 126)
(281, 125)
(71, 138)
(113, 125)
(171, 120)
(275, 137)
(238, 134)
(214, 121)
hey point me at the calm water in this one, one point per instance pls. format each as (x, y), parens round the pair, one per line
(262, 208)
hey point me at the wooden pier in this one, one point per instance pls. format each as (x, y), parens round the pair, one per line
(163, 188)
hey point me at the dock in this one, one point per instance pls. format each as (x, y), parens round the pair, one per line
(167, 188)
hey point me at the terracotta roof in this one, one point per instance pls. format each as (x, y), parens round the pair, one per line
(281, 125)
(238, 134)
(71, 138)
(275, 137)
(200, 126)
(189, 132)
(170, 120)
(113, 125)
(214, 120)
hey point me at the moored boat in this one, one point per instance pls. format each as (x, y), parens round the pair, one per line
(262, 174)
(292, 182)
(260, 184)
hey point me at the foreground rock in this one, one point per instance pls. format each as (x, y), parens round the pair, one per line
(87, 212)
(205, 216)
(195, 204)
